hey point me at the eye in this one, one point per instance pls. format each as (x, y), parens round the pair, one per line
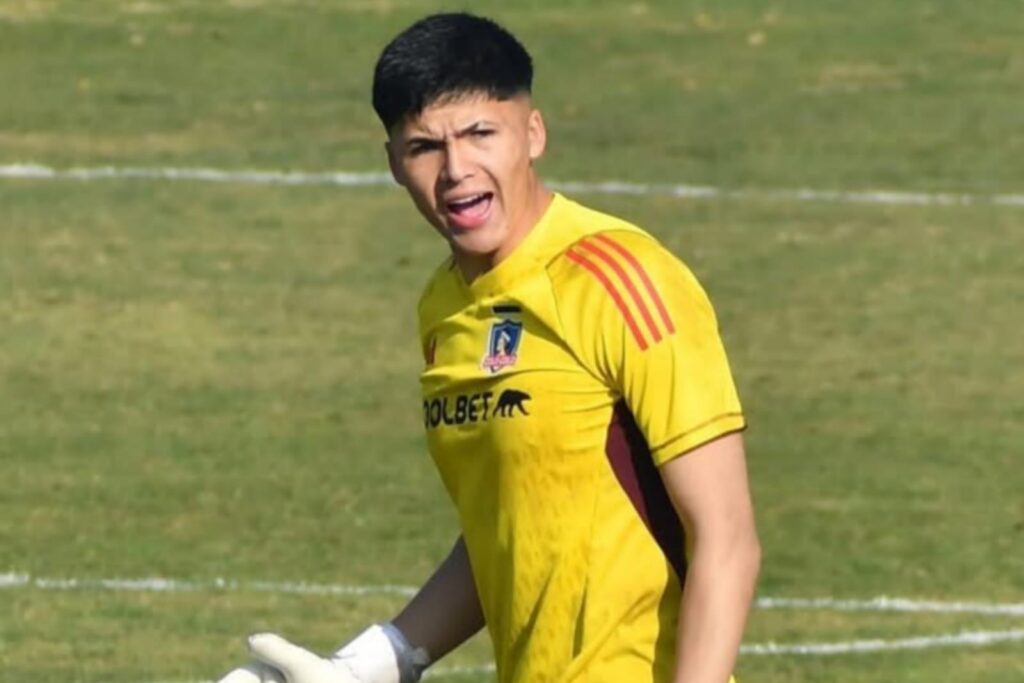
(483, 132)
(419, 147)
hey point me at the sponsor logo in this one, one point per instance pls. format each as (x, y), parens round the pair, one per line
(510, 401)
(473, 408)
(502, 345)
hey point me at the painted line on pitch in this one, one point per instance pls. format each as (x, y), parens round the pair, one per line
(163, 585)
(15, 580)
(959, 639)
(32, 171)
(893, 604)
(976, 638)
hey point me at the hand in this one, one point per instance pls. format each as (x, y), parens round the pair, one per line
(283, 662)
(254, 672)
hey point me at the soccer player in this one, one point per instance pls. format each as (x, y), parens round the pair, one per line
(577, 402)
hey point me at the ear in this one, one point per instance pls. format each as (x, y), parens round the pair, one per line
(537, 133)
(393, 164)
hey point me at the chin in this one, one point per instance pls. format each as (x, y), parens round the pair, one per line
(479, 242)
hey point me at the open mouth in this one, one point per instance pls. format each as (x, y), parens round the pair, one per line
(470, 212)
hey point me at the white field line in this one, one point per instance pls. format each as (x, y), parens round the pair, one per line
(208, 175)
(15, 580)
(32, 171)
(962, 638)
(977, 638)
(891, 604)
(164, 585)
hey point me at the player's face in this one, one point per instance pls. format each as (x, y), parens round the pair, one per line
(468, 166)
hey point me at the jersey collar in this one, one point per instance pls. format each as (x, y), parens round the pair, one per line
(523, 259)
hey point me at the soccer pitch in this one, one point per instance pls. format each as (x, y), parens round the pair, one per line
(209, 420)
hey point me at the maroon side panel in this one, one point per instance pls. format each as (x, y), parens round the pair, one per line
(630, 458)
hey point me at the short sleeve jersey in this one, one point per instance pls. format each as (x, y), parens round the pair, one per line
(555, 385)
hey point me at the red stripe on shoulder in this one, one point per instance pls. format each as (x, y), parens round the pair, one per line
(630, 287)
(622, 251)
(582, 260)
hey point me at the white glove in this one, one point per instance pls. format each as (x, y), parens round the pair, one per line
(283, 662)
(254, 672)
(370, 658)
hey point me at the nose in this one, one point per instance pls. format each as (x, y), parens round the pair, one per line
(456, 165)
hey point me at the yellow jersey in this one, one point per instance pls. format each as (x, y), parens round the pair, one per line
(555, 385)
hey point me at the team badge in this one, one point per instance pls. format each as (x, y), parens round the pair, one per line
(503, 345)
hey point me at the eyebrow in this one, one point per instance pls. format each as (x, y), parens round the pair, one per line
(424, 139)
(476, 125)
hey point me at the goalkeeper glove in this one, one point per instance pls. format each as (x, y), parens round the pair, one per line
(381, 654)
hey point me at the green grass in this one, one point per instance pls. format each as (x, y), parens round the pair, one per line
(203, 381)
(918, 95)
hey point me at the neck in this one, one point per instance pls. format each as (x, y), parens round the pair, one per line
(538, 200)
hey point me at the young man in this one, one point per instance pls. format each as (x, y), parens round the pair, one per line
(577, 402)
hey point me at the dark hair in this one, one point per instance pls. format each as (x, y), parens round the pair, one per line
(445, 56)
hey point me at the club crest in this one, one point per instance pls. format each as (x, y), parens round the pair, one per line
(502, 345)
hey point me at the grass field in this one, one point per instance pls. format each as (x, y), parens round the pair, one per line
(220, 380)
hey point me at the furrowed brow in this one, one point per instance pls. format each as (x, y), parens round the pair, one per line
(475, 126)
(423, 142)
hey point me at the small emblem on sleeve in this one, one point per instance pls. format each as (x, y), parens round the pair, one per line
(502, 345)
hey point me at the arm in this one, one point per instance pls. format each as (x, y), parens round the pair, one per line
(446, 611)
(709, 488)
(444, 614)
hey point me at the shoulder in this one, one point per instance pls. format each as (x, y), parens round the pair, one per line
(584, 230)
(610, 258)
(576, 223)
(618, 282)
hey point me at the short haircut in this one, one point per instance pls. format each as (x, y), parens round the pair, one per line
(446, 56)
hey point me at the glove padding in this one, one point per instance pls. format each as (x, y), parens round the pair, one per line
(284, 662)
(254, 672)
(367, 659)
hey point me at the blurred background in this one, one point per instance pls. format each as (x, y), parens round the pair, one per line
(209, 413)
